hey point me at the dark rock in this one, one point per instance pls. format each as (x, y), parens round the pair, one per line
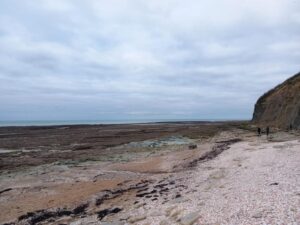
(216, 150)
(82, 147)
(26, 216)
(116, 210)
(164, 190)
(80, 209)
(105, 212)
(280, 107)
(39, 217)
(146, 194)
(141, 195)
(43, 215)
(162, 180)
(191, 147)
(142, 190)
(99, 201)
(178, 196)
(160, 185)
(63, 212)
(5, 190)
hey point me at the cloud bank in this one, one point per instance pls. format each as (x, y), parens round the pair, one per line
(136, 59)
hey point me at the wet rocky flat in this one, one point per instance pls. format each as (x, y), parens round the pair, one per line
(23, 147)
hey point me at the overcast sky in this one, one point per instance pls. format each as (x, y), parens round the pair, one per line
(143, 59)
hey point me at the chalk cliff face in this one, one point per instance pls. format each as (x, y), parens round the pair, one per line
(280, 107)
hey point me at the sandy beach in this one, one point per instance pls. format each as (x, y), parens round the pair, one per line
(176, 173)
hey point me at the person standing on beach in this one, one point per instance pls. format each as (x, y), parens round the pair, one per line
(258, 131)
(268, 131)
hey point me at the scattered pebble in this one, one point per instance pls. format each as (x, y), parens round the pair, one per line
(190, 218)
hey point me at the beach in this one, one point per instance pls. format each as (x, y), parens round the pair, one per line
(157, 173)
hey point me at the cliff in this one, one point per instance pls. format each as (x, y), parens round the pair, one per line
(280, 107)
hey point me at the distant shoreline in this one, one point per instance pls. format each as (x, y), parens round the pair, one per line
(45, 123)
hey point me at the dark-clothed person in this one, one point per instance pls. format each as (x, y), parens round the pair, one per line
(258, 131)
(268, 131)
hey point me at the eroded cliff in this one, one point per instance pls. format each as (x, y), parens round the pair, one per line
(280, 107)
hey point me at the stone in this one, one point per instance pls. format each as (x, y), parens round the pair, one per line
(170, 209)
(175, 213)
(135, 219)
(106, 212)
(258, 215)
(113, 223)
(190, 218)
(193, 146)
(165, 222)
(139, 205)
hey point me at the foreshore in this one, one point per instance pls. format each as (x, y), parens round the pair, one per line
(37, 145)
(157, 173)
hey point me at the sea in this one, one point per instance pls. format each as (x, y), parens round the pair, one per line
(96, 122)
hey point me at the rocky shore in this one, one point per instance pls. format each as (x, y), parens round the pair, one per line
(185, 173)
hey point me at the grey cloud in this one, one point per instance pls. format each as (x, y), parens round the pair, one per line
(62, 59)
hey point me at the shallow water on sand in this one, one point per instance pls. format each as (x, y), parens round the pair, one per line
(156, 143)
(7, 151)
